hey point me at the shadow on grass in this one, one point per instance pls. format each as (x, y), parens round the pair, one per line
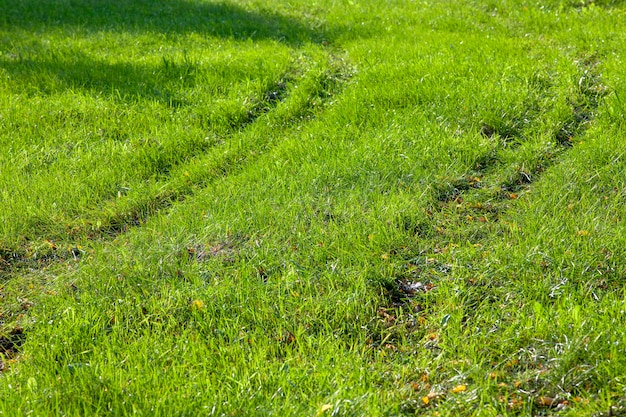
(218, 19)
(40, 69)
(50, 73)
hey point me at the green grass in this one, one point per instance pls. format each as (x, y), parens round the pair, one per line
(312, 208)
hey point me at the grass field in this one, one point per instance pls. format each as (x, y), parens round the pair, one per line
(316, 208)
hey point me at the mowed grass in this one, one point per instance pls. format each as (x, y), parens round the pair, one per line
(312, 208)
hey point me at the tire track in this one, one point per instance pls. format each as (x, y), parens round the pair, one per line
(296, 98)
(486, 191)
(469, 209)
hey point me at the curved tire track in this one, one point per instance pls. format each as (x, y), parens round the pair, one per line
(283, 105)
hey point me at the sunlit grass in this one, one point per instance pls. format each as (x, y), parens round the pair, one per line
(327, 208)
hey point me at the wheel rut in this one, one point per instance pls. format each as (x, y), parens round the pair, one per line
(469, 209)
(277, 107)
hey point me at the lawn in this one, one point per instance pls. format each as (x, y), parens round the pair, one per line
(316, 208)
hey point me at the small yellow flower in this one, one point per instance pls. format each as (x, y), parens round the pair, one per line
(459, 388)
(197, 305)
(323, 409)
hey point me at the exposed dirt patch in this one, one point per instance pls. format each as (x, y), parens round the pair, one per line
(225, 250)
(34, 257)
(10, 345)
